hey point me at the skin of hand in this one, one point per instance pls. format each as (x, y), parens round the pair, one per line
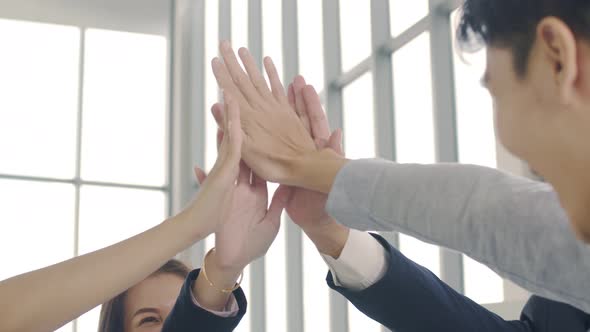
(45, 299)
(274, 136)
(276, 145)
(307, 207)
(246, 232)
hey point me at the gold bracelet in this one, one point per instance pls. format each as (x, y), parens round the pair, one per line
(225, 291)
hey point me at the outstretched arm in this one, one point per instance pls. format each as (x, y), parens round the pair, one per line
(247, 229)
(48, 298)
(496, 218)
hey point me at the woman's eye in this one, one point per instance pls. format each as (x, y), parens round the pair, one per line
(148, 320)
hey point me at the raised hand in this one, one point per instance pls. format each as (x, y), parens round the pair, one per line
(248, 227)
(306, 207)
(217, 191)
(273, 134)
(245, 231)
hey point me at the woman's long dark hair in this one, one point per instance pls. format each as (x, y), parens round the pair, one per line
(112, 313)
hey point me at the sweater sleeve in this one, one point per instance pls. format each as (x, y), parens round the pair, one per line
(515, 226)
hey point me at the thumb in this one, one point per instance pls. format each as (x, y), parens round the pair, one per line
(320, 143)
(200, 175)
(277, 204)
(335, 141)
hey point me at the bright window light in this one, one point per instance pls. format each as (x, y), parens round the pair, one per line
(110, 215)
(359, 142)
(211, 89)
(124, 128)
(39, 103)
(355, 32)
(239, 24)
(359, 118)
(38, 216)
(311, 42)
(272, 34)
(405, 13)
(276, 282)
(316, 293)
(277, 255)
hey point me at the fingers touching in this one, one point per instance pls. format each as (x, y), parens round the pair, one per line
(275, 82)
(278, 203)
(300, 106)
(231, 145)
(249, 85)
(254, 73)
(335, 142)
(320, 127)
(200, 175)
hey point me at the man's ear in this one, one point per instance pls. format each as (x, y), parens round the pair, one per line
(558, 45)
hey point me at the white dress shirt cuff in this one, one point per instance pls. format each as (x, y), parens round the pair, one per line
(361, 264)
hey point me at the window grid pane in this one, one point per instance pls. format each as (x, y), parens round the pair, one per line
(477, 145)
(124, 111)
(212, 91)
(316, 293)
(38, 216)
(52, 144)
(415, 128)
(405, 13)
(39, 104)
(355, 32)
(359, 142)
(359, 118)
(311, 42)
(272, 29)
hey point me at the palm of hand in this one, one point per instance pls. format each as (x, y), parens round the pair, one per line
(244, 234)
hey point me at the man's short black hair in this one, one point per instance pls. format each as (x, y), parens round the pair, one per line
(512, 24)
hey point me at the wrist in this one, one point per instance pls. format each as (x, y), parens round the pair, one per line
(315, 170)
(211, 289)
(329, 239)
(221, 275)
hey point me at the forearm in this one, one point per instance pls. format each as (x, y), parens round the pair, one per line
(45, 299)
(315, 171)
(329, 239)
(207, 289)
(496, 218)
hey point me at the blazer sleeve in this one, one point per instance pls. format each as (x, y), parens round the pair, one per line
(547, 316)
(410, 298)
(497, 218)
(186, 316)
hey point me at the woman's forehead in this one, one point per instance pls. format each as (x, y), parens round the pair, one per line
(157, 292)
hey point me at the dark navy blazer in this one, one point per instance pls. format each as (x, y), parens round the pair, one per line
(186, 316)
(410, 298)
